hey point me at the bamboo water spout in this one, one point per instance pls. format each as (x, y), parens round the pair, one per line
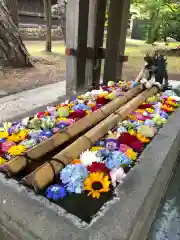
(19, 163)
(44, 175)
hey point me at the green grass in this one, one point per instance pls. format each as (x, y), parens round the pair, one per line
(135, 49)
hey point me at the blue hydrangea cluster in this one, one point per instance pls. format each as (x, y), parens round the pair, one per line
(73, 176)
(56, 192)
(116, 159)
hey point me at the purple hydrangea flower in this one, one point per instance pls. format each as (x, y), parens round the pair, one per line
(116, 159)
(56, 192)
(73, 176)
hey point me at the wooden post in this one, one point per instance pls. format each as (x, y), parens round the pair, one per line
(115, 29)
(99, 39)
(76, 39)
(48, 20)
(123, 34)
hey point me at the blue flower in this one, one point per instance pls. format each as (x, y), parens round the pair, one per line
(81, 106)
(56, 192)
(73, 176)
(116, 159)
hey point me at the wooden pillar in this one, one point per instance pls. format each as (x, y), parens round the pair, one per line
(115, 37)
(123, 34)
(99, 40)
(76, 41)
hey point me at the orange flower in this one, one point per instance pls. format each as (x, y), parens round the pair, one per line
(76, 161)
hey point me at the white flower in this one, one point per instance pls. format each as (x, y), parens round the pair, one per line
(88, 157)
(117, 175)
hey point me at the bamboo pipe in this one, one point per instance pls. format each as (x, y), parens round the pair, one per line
(44, 175)
(17, 164)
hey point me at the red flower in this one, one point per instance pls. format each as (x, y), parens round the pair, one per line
(102, 100)
(98, 167)
(137, 146)
(77, 114)
(40, 114)
(145, 105)
(126, 138)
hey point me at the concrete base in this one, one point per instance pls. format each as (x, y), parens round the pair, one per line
(127, 217)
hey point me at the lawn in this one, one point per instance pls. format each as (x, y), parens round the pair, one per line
(135, 49)
(51, 67)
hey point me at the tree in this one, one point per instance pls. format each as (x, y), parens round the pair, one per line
(12, 50)
(60, 11)
(48, 20)
(156, 11)
(12, 6)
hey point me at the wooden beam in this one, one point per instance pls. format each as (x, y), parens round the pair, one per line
(99, 39)
(123, 34)
(76, 38)
(115, 30)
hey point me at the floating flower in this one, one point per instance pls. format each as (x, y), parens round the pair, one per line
(73, 176)
(56, 192)
(88, 157)
(16, 150)
(137, 145)
(97, 183)
(76, 161)
(142, 138)
(116, 159)
(98, 167)
(2, 161)
(117, 175)
(112, 144)
(63, 112)
(13, 138)
(22, 134)
(131, 154)
(146, 131)
(5, 146)
(4, 134)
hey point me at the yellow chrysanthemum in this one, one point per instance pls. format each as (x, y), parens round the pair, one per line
(17, 150)
(97, 183)
(13, 138)
(132, 132)
(2, 161)
(142, 138)
(149, 110)
(4, 134)
(22, 134)
(131, 154)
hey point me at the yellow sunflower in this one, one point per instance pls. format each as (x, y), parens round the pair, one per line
(13, 138)
(97, 183)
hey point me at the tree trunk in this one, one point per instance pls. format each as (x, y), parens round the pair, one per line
(62, 14)
(12, 50)
(13, 10)
(48, 20)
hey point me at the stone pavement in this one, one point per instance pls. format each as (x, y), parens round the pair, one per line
(14, 105)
